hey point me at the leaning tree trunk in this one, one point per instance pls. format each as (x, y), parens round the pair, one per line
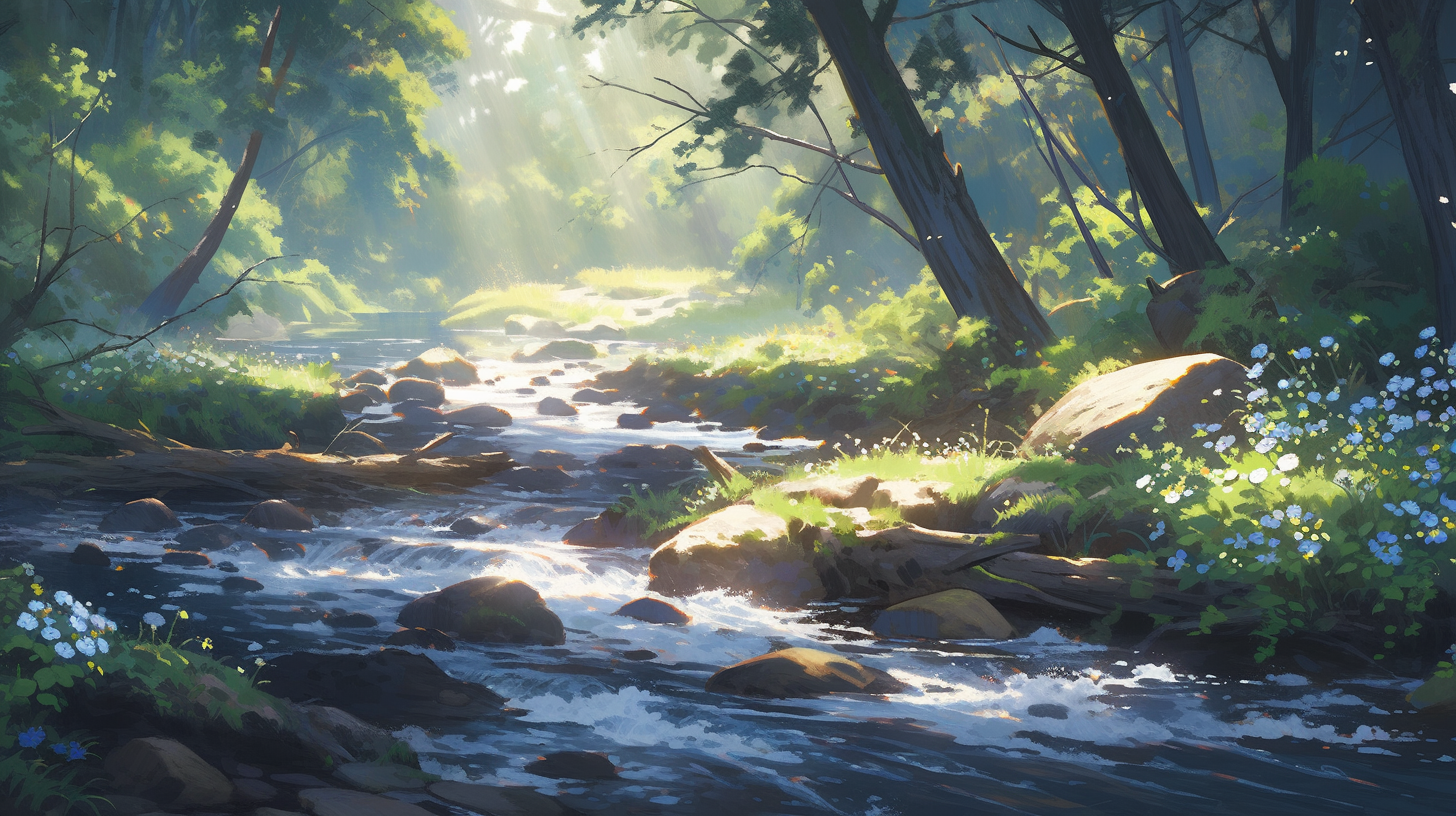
(1190, 114)
(1403, 40)
(956, 244)
(164, 300)
(1294, 76)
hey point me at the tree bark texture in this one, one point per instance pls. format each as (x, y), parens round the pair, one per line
(1188, 242)
(1190, 114)
(957, 246)
(1294, 76)
(1403, 42)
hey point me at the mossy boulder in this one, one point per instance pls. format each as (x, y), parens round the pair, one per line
(489, 609)
(428, 392)
(955, 614)
(800, 672)
(140, 516)
(742, 549)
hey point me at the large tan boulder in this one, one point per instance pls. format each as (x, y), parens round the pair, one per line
(557, 350)
(742, 549)
(140, 516)
(801, 672)
(955, 614)
(1104, 413)
(924, 503)
(833, 491)
(488, 609)
(429, 392)
(440, 363)
(168, 773)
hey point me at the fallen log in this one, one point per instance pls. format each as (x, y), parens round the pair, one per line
(149, 465)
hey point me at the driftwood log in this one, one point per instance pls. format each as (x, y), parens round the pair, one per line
(149, 465)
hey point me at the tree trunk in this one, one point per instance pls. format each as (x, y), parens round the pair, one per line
(1190, 115)
(164, 300)
(1186, 239)
(113, 34)
(956, 244)
(1295, 79)
(1403, 40)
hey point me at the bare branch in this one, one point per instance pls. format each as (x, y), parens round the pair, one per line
(943, 9)
(1378, 138)
(1387, 119)
(1340, 123)
(1226, 218)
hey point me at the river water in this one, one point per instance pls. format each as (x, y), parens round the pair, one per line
(1036, 725)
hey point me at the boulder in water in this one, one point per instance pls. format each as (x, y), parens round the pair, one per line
(573, 765)
(532, 326)
(341, 619)
(206, 537)
(801, 672)
(600, 328)
(422, 638)
(597, 397)
(954, 614)
(355, 401)
(140, 516)
(442, 364)
(479, 416)
(379, 395)
(558, 350)
(668, 412)
(608, 529)
(389, 687)
(651, 610)
(490, 609)
(1102, 414)
(428, 392)
(183, 558)
(471, 526)
(278, 514)
(742, 549)
(554, 458)
(369, 376)
(88, 554)
(239, 584)
(634, 422)
(556, 406)
(649, 457)
(536, 479)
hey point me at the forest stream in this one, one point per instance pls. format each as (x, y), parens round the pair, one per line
(1035, 724)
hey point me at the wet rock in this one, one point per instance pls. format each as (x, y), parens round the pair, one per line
(168, 773)
(342, 736)
(336, 802)
(755, 447)
(601, 328)
(554, 458)
(954, 614)
(379, 395)
(251, 791)
(557, 350)
(573, 765)
(1048, 711)
(278, 514)
(227, 566)
(532, 326)
(87, 554)
(540, 380)
(640, 654)
(833, 491)
(280, 550)
(536, 479)
(206, 538)
(609, 529)
(502, 801)
(185, 559)
(367, 377)
(472, 526)
(923, 503)
(418, 415)
(545, 514)
(429, 392)
(140, 516)
(442, 364)
(596, 397)
(555, 406)
(340, 619)
(237, 583)
(422, 638)
(488, 609)
(739, 548)
(648, 457)
(355, 401)
(668, 412)
(1101, 415)
(389, 687)
(526, 391)
(633, 422)
(651, 610)
(801, 672)
(479, 416)
(367, 776)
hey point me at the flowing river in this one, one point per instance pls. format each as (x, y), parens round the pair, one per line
(1036, 725)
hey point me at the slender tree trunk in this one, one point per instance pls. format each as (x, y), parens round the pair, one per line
(1187, 240)
(1294, 76)
(1403, 40)
(1195, 139)
(113, 34)
(956, 244)
(164, 300)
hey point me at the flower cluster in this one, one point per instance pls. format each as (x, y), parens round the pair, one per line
(32, 738)
(67, 624)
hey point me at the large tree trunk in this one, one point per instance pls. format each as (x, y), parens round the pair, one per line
(1186, 239)
(164, 300)
(1295, 78)
(956, 244)
(1403, 40)
(1190, 114)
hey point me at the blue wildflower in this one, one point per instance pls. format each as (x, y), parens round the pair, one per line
(1238, 541)
(1326, 341)
(31, 738)
(1428, 372)
(1176, 562)
(1260, 351)
(1268, 521)
(1387, 358)
(1421, 351)
(1203, 568)
(1428, 332)
(75, 751)
(27, 622)
(1310, 548)
(1256, 371)
(50, 633)
(1410, 507)
(1256, 537)
(1302, 354)
(64, 649)
(1429, 519)
(63, 598)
